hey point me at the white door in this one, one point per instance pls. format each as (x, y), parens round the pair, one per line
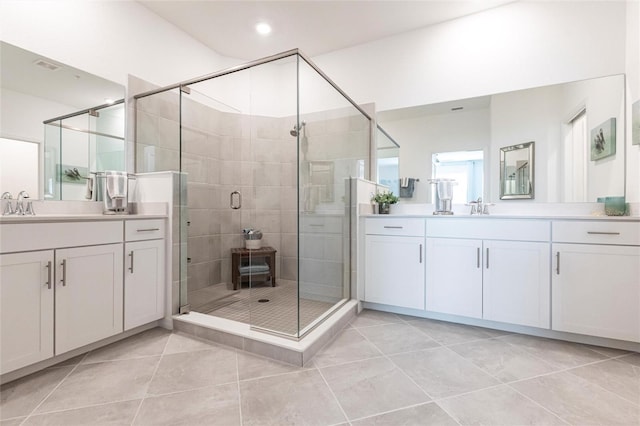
(596, 290)
(516, 285)
(26, 303)
(395, 271)
(454, 276)
(88, 295)
(143, 282)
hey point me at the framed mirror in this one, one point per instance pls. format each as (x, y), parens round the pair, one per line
(517, 171)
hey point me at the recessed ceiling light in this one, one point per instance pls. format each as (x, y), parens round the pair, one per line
(263, 28)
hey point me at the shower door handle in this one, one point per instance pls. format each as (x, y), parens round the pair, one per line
(232, 203)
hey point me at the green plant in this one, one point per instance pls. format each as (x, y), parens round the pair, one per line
(385, 197)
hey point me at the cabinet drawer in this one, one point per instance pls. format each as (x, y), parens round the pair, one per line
(490, 229)
(395, 226)
(39, 236)
(597, 232)
(147, 229)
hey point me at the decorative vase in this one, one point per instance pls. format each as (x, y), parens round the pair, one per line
(383, 208)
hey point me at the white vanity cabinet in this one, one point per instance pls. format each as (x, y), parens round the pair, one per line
(596, 278)
(88, 295)
(501, 273)
(395, 262)
(62, 284)
(26, 308)
(144, 275)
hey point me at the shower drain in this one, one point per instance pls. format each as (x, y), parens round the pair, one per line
(263, 300)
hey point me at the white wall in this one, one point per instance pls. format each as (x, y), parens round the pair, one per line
(519, 45)
(108, 38)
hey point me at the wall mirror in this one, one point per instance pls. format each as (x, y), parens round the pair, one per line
(36, 89)
(558, 118)
(516, 171)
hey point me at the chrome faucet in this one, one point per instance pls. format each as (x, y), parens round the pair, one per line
(479, 207)
(20, 208)
(8, 208)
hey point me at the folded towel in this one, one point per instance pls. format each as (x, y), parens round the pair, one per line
(116, 184)
(407, 191)
(404, 182)
(260, 268)
(89, 191)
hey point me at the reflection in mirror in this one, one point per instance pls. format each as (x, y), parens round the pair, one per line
(321, 183)
(387, 164)
(15, 175)
(78, 146)
(517, 165)
(36, 89)
(565, 172)
(465, 168)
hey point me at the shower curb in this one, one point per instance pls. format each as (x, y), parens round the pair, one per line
(240, 336)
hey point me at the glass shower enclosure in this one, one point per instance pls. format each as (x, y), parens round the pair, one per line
(268, 152)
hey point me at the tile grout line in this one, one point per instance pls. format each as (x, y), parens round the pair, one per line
(431, 399)
(335, 398)
(539, 404)
(55, 388)
(238, 387)
(146, 392)
(565, 370)
(499, 384)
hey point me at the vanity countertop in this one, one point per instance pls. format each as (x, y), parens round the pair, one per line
(505, 216)
(78, 217)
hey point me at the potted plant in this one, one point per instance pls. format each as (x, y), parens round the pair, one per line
(384, 201)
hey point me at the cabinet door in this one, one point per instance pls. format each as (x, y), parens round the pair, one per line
(26, 308)
(516, 282)
(395, 271)
(88, 295)
(454, 276)
(144, 283)
(595, 290)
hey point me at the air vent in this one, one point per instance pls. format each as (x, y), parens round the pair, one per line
(46, 65)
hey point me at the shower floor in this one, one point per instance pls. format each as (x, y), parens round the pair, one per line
(277, 312)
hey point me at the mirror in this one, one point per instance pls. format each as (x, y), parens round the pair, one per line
(36, 89)
(558, 118)
(387, 161)
(517, 163)
(321, 182)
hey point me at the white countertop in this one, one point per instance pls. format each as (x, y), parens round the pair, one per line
(504, 216)
(76, 217)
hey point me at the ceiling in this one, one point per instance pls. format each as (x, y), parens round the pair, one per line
(314, 27)
(64, 85)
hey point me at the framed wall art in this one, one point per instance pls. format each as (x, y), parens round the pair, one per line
(603, 140)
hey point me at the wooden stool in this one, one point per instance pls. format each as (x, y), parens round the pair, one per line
(238, 254)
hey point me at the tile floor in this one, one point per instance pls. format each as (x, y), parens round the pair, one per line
(383, 369)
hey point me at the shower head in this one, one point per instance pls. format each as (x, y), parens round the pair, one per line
(296, 129)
